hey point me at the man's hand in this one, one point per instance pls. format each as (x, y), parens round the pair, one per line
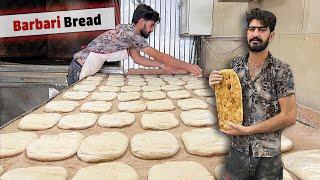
(195, 70)
(237, 129)
(285, 118)
(215, 78)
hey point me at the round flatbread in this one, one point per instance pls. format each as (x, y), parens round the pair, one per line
(176, 82)
(159, 121)
(286, 175)
(75, 95)
(205, 142)
(99, 75)
(191, 86)
(90, 82)
(154, 145)
(116, 76)
(104, 147)
(151, 88)
(54, 147)
(1, 170)
(78, 121)
(129, 96)
(109, 89)
(198, 118)
(203, 92)
(179, 170)
(303, 164)
(219, 171)
(136, 80)
(86, 88)
(94, 78)
(61, 106)
(148, 79)
(117, 83)
(189, 104)
(198, 81)
(107, 171)
(96, 106)
(286, 144)
(132, 106)
(150, 76)
(160, 105)
(166, 76)
(171, 87)
(135, 77)
(41, 121)
(179, 94)
(15, 143)
(103, 96)
(118, 120)
(137, 83)
(116, 79)
(37, 173)
(154, 81)
(130, 89)
(172, 78)
(159, 83)
(153, 95)
(188, 78)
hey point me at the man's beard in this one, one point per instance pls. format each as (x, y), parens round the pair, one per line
(144, 33)
(258, 47)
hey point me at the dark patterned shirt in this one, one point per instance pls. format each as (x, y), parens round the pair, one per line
(122, 37)
(261, 102)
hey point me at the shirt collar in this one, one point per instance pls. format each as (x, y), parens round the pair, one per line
(269, 60)
(132, 27)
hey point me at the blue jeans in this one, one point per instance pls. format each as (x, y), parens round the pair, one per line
(74, 70)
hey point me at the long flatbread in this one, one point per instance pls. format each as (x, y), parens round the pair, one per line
(229, 99)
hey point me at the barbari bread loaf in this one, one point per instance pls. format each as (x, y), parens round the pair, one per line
(229, 99)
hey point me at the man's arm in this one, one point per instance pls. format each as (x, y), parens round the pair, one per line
(285, 118)
(137, 58)
(171, 61)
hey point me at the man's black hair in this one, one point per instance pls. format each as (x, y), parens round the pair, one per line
(267, 18)
(145, 12)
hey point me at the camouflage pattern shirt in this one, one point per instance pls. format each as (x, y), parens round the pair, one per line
(261, 102)
(122, 37)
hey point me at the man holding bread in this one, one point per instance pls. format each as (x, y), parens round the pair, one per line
(269, 104)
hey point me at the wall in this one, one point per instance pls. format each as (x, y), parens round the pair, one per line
(297, 41)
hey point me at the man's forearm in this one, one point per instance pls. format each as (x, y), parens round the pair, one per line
(275, 123)
(285, 118)
(148, 62)
(171, 61)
